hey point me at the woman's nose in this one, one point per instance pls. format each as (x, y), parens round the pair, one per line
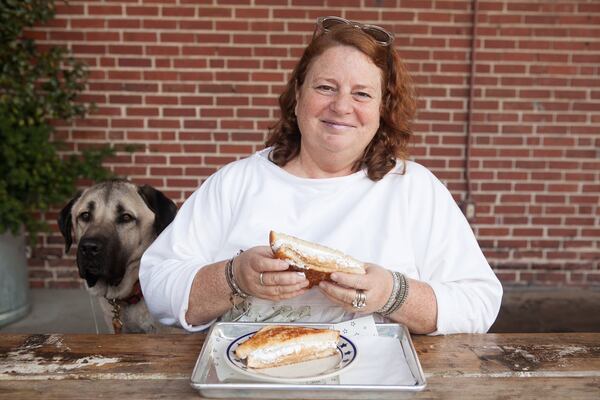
(341, 103)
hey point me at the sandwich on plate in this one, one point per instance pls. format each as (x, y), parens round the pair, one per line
(277, 345)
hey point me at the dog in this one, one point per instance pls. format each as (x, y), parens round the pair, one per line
(113, 223)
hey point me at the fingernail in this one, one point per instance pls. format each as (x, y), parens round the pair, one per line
(301, 274)
(334, 277)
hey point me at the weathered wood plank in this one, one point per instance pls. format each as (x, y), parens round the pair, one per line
(564, 354)
(101, 389)
(510, 388)
(88, 356)
(520, 366)
(437, 388)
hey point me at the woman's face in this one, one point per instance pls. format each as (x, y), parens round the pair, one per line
(338, 105)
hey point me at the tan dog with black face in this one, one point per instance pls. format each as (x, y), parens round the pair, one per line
(113, 223)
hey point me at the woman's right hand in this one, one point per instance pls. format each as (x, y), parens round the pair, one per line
(276, 284)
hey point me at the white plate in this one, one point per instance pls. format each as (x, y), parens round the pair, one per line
(300, 372)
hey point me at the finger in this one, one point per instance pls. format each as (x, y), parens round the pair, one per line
(282, 278)
(353, 281)
(265, 251)
(338, 293)
(281, 290)
(268, 264)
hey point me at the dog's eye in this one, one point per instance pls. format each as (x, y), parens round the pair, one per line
(124, 218)
(85, 216)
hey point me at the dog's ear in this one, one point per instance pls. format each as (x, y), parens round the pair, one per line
(164, 208)
(65, 223)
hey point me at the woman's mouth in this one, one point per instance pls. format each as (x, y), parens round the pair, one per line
(336, 124)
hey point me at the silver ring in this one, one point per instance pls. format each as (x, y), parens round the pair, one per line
(360, 300)
(260, 278)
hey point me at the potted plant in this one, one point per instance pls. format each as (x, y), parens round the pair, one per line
(37, 86)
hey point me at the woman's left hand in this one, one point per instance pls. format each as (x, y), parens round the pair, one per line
(376, 284)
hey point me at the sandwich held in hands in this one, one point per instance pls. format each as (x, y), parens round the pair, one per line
(276, 345)
(316, 261)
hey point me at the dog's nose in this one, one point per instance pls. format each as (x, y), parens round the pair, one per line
(90, 247)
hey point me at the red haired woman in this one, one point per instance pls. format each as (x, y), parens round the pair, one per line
(335, 171)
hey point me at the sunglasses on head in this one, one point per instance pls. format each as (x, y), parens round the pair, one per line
(380, 35)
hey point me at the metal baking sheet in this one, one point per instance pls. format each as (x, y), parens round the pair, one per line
(206, 381)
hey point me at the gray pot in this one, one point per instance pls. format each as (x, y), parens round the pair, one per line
(14, 283)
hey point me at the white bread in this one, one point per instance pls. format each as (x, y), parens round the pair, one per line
(315, 260)
(277, 345)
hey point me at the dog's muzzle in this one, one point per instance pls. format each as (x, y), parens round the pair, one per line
(94, 258)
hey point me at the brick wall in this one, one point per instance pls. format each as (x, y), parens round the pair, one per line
(195, 84)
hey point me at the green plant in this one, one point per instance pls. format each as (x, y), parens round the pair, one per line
(36, 87)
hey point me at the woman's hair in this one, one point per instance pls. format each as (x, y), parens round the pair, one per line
(397, 107)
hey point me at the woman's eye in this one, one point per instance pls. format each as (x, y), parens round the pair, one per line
(364, 95)
(85, 216)
(325, 88)
(124, 218)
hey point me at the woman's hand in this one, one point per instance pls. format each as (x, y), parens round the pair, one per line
(376, 284)
(261, 275)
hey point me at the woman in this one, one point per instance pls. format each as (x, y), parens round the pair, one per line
(334, 172)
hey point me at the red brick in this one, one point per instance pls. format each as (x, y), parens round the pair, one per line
(190, 63)
(68, 9)
(143, 135)
(67, 36)
(494, 231)
(150, 159)
(126, 123)
(166, 171)
(105, 10)
(125, 99)
(218, 160)
(87, 23)
(179, 112)
(178, 88)
(141, 111)
(251, 12)
(180, 11)
(133, 11)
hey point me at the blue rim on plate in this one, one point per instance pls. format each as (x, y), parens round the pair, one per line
(313, 369)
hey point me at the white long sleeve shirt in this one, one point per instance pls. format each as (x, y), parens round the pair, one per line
(404, 222)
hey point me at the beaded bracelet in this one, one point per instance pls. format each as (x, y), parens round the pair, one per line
(401, 296)
(237, 294)
(395, 288)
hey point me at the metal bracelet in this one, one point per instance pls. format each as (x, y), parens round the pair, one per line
(235, 289)
(401, 296)
(395, 288)
(397, 296)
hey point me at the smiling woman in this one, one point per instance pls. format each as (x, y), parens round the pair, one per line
(337, 109)
(379, 89)
(334, 173)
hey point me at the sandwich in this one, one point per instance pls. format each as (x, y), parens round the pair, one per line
(277, 345)
(317, 262)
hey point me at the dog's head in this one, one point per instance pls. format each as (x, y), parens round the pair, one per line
(113, 223)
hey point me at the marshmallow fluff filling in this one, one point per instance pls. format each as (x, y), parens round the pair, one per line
(271, 354)
(316, 253)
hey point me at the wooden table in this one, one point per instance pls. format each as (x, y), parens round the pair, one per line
(506, 366)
